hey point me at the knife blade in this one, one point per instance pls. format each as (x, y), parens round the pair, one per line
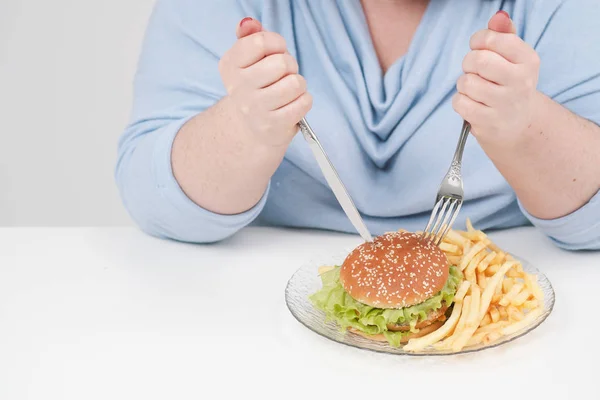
(334, 181)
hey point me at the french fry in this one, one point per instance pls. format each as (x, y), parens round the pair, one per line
(462, 291)
(503, 313)
(500, 257)
(434, 338)
(488, 293)
(491, 337)
(325, 268)
(475, 236)
(439, 334)
(520, 268)
(481, 279)
(474, 319)
(486, 320)
(514, 313)
(476, 339)
(521, 298)
(494, 314)
(496, 326)
(469, 225)
(454, 260)
(471, 268)
(534, 288)
(497, 293)
(455, 238)
(514, 273)
(472, 322)
(462, 322)
(496, 298)
(486, 261)
(492, 269)
(531, 304)
(472, 253)
(467, 247)
(507, 284)
(512, 293)
(449, 248)
(517, 326)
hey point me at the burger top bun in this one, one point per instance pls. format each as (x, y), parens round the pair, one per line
(396, 270)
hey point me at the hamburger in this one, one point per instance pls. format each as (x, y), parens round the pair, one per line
(395, 288)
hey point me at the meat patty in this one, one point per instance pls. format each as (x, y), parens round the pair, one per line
(431, 318)
(381, 338)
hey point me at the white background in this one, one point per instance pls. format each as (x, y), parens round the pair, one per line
(66, 69)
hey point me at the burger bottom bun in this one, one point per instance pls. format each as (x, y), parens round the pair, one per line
(380, 338)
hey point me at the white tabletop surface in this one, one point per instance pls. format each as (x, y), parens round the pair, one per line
(97, 313)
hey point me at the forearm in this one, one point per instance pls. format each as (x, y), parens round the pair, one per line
(219, 164)
(555, 169)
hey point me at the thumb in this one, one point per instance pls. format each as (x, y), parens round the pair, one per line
(247, 27)
(502, 23)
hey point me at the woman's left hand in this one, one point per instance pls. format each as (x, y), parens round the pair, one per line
(498, 93)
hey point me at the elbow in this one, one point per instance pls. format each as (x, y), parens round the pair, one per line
(154, 208)
(591, 244)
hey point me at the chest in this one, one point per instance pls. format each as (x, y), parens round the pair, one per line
(392, 25)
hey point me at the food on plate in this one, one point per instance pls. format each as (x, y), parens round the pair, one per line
(408, 292)
(393, 287)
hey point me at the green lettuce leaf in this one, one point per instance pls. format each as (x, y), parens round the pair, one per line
(340, 307)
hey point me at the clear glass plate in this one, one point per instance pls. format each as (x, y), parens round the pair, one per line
(306, 281)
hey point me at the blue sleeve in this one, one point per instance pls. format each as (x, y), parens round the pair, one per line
(569, 49)
(177, 78)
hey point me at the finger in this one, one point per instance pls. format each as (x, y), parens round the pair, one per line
(480, 90)
(283, 92)
(490, 66)
(251, 49)
(270, 70)
(293, 112)
(470, 110)
(247, 27)
(508, 45)
(501, 22)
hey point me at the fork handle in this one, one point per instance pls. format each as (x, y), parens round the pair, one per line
(460, 147)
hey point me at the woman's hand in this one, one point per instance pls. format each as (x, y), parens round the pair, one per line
(498, 92)
(547, 154)
(263, 83)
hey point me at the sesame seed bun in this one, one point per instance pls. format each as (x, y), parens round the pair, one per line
(396, 270)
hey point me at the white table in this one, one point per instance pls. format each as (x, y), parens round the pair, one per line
(114, 314)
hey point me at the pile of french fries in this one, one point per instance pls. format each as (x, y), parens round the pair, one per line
(496, 299)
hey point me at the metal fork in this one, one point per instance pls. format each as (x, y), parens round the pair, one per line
(450, 196)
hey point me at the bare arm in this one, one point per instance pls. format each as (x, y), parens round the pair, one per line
(219, 164)
(556, 168)
(549, 156)
(224, 157)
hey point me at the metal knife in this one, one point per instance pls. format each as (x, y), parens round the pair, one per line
(334, 181)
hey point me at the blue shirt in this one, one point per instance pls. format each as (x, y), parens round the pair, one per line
(390, 136)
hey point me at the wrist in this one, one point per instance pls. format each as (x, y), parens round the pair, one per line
(268, 143)
(256, 160)
(522, 139)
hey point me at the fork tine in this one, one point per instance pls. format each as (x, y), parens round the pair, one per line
(452, 205)
(439, 217)
(449, 226)
(432, 218)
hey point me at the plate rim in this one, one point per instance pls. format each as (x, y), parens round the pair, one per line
(544, 316)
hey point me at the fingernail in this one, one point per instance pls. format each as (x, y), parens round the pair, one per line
(503, 12)
(247, 19)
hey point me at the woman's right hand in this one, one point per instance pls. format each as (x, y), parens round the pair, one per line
(263, 84)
